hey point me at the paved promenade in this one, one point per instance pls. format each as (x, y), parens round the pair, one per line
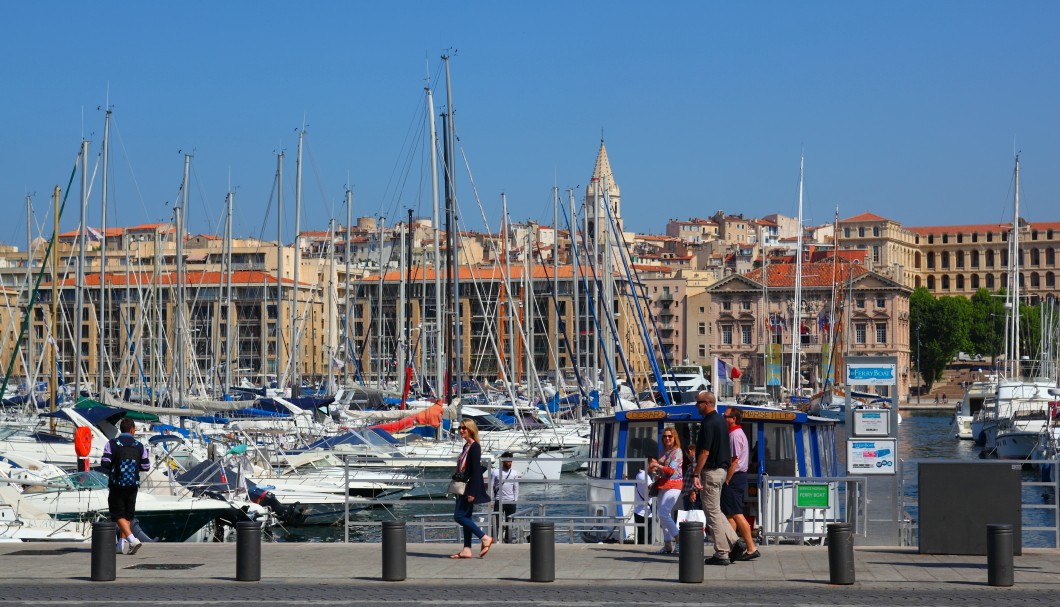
(586, 574)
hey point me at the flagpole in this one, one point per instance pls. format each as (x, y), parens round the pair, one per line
(714, 379)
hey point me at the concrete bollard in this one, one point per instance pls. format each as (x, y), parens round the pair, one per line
(690, 560)
(394, 552)
(840, 554)
(104, 540)
(542, 552)
(248, 551)
(999, 555)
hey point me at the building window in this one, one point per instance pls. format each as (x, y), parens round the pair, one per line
(945, 238)
(860, 301)
(1050, 257)
(990, 281)
(861, 232)
(1036, 257)
(726, 335)
(960, 238)
(960, 282)
(975, 259)
(702, 351)
(1050, 280)
(931, 260)
(931, 239)
(859, 332)
(945, 283)
(881, 302)
(990, 237)
(989, 259)
(702, 328)
(875, 254)
(960, 259)
(975, 281)
(881, 332)
(945, 259)
(726, 304)
(1034, 280)
(745, 334)
(931, 283)
(846, 232)
(975, 236)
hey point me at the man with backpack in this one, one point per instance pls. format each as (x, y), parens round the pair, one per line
(123, 459)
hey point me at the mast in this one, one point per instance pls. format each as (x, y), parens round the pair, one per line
(231, 324)
(296, 362)
(79, 297)
(279, 272)
(55, 305)
(349, 333)
(379, 315)
(506, 284)
(796, 330)
(401, 333)
(331, 349)
(102, 331)
(452, 229)
(180, 282)
(30, 369)
(575, 257)
(555, 280)
(439, 362)
(1016, 364)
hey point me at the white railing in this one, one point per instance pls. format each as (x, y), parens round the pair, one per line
(799, 509)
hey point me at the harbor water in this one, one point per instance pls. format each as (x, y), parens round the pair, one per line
(922, 435)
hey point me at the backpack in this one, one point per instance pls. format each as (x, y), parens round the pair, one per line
(125, 463)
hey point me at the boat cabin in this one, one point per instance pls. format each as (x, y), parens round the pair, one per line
(782, 443)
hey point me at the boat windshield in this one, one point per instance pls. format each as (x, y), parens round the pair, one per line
(79, 481)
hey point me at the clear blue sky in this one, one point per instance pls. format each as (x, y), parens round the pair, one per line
(911, 110)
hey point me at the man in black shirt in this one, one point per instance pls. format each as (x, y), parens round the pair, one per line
(712, 462)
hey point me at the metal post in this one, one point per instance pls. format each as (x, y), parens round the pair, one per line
(840, 554)
(248, 551)
(999, 555)
(104, 537)
(394, 552)
(542, 552)
(690, 561)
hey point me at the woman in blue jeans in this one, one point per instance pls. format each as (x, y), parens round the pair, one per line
(469, 466)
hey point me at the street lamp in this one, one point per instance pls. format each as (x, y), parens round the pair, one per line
(920, 389)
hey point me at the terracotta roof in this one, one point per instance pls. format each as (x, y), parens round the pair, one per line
(491, 272)
(652, 268)
(195, 277)
(820, 274)
(981, 228)
(864, 217)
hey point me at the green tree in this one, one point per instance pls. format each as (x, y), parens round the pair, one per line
(938, 330)
(986, 332)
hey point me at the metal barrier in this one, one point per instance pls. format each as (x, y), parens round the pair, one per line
(1038, 501)
(799, 509)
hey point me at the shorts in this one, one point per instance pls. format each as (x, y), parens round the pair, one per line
(732, 495)
(122, 503)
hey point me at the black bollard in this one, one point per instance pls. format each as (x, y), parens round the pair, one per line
(542, 552)
(999, 555)
(104, 542)
(840, 554)
(690, 560)
(394, 551)
(248, 551)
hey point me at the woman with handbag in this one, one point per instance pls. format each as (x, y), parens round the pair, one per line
(469, 489)
(670, 481)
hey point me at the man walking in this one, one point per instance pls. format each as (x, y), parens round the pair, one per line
(505, 493)
(123, 459)
(736, 484)
(712, 462)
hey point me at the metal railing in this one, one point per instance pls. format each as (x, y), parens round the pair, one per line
(793, 508)
(1040, 514)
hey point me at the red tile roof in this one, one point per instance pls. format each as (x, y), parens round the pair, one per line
(820, 274)
(981, 228)
(864, 217)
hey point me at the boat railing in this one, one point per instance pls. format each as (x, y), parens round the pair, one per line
(792, 508)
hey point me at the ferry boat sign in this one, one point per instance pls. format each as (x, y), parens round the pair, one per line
(871, 375)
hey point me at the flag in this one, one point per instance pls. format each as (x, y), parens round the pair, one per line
(726, 372)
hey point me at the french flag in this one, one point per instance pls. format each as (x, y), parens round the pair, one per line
(725, 372)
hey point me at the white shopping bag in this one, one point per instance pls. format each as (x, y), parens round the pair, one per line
(692, 516)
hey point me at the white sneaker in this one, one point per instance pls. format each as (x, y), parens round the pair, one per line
(122, 547)
(134, 545)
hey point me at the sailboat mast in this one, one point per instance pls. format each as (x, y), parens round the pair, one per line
(796, 329)
(453, 231)
(180, 281)
(555, 279)
(55, 304)
(102, 331)
(30, 370)
(296, 358)
(575, 257)
(400, 334)
(277, 367)
(231, 323)
(1014, 280)
(79, 297)
(350, 334)
(506, 285)
(440, 344)
(379, 313)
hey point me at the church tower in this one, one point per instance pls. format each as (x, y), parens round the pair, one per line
(601, 183)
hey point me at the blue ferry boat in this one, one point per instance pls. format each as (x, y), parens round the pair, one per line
(782, 443)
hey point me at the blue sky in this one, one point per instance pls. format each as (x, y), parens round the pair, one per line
(910, 110)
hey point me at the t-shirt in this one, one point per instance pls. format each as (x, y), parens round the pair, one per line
(738, 448)
(505, 484)
(713, 436)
